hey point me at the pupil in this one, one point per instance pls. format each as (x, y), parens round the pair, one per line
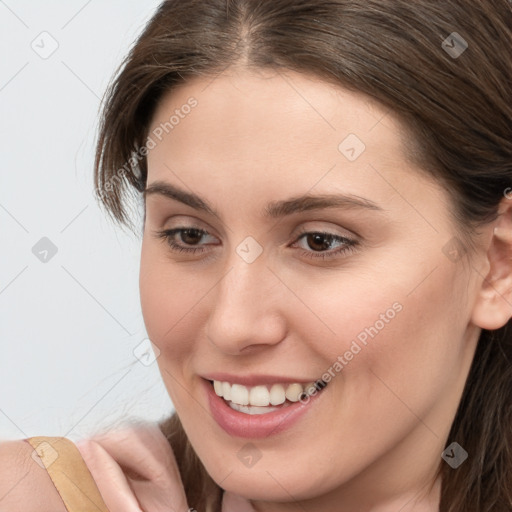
(316, 238)
(189, 234)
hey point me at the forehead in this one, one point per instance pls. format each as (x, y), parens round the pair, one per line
(282, 117)
(243, 98)
(241, 138)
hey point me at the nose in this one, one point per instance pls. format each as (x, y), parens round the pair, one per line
(247, 308)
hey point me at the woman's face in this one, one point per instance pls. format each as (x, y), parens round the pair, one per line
(380, 306)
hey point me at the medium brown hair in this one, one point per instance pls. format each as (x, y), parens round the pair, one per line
(458, 112)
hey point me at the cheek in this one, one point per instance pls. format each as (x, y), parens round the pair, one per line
(166, 299)
(167, 303)
(401, 328)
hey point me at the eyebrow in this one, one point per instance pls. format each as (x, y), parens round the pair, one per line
(274, 209)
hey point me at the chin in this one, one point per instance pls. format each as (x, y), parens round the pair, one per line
(269, 483)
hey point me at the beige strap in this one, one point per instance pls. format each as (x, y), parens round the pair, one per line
(68, 472)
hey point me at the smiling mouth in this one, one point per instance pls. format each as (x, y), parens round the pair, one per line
(263, 399)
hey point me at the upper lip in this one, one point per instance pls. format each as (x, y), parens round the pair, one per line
(254, 379)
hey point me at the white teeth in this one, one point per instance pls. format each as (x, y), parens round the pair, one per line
(258, 395)
(218, 387)
(241, 393)
(226, 390)
(277, 394)
(293, 392)
(262, 395)
(252, 409)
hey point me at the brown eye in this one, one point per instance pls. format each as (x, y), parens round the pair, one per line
(184, 239)
(316, 244)
(319, 241)
(191, 236)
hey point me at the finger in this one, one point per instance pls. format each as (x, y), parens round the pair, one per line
(109, 478)
(148, 463)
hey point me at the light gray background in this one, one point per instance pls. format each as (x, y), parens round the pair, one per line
(68, 326)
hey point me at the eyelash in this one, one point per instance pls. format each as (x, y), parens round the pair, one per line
(348, 247)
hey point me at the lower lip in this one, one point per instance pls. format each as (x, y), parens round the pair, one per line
(255, 426)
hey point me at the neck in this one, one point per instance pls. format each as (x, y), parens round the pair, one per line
(424, 499)
(405, 479)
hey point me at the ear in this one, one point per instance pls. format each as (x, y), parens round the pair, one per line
(493, 306)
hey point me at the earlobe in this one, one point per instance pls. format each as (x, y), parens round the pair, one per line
(493, 306)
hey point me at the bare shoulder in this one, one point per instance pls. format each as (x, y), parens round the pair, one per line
(25, 486)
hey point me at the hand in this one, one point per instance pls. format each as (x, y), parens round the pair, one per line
(135, 470)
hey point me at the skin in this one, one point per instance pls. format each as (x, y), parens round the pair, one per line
(375, 438)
